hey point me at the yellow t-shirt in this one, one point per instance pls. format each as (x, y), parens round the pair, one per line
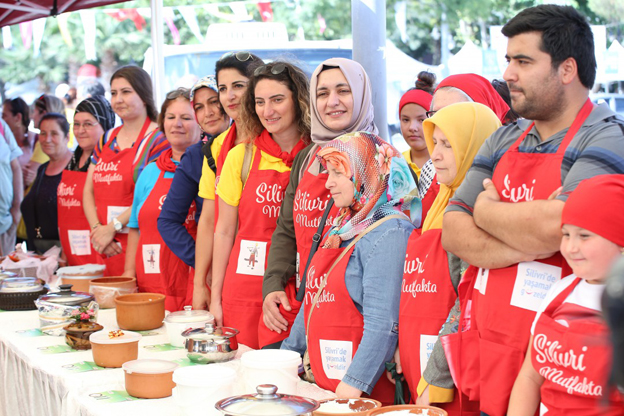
(408, 157)
(38, 155)
(207, 180)
(230, 186)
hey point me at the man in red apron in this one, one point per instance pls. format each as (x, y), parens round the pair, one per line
(506, 216)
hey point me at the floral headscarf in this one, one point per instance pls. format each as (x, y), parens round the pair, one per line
(383, 183)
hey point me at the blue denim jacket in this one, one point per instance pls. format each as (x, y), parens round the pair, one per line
(373, 279)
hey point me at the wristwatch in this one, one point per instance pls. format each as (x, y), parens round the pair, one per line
(117, 224)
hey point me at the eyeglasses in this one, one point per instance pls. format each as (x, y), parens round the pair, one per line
(87, 126)
(430, 114)
(241, 56)
(275, 69)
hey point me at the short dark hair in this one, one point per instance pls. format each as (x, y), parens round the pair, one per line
(565, 34)
(236, 60)
(142, 84)
(60, 120)
(91, 88)
(18, 106)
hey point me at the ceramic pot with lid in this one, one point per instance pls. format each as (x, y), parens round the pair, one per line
(149, 379)
(267, 402)
(55, 308)
(112, 349)
(81, 276)
(211, 344)
(19, 293)
(178, 322)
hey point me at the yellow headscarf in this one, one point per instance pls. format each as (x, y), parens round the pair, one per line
(466, 126)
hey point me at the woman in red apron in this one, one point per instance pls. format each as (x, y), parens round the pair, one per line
(119, 158)
(353, 283)
(413, 108)
(431, 275)
(276, 111)
(340, 101)
(569, 357)
(232, 71)
(92, 118)
(148, 258)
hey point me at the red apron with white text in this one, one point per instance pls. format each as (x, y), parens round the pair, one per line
(427, 297)
(74, 229)
(311, 198)
(336, 327)
(113, 189)
(258, 210)
(158, 270)
(575, 361)
(505, 300)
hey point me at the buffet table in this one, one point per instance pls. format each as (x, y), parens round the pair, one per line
(38, 376)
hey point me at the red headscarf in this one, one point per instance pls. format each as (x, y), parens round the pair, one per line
(480, 90)
(420, 97)
(596, 205)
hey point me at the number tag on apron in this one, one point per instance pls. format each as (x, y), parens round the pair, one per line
(297, 278)
(533, 281)
(426, 348)
(482, 279)
(79, 242)
(151, 258)
(336, 357)
(251, 258)
(114, 212)
(543, 409)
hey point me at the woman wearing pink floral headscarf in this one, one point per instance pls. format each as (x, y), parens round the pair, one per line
(353, 283)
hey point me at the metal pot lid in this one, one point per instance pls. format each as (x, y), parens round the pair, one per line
(267, 402)
(5, 274)
(66, 296)
(20, 285)
(189, 315)
(210, 332)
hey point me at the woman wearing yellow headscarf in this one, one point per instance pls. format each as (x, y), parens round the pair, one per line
(431, 275)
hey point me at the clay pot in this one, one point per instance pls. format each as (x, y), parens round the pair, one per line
(140, 311)
(149, 379)
(80, 276)
(113, 352)
(413, 408)
(77, 334)
(107, 289)
(352, 407)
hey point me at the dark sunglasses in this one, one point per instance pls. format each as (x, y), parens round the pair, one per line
(430, 114)
(275, 69)
(241, 56)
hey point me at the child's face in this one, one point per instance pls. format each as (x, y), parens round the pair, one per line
(590, 255)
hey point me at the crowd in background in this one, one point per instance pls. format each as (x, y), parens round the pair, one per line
(470, 267)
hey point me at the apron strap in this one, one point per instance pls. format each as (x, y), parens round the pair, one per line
(561, 297)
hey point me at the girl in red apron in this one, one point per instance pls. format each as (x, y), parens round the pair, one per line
(429, 289)
(413, 108)
(569, 357)
(232, 71)
(353, 282)
(341, 101)
(251, 192)
(119, 158)
(92, 118)
(148, 258)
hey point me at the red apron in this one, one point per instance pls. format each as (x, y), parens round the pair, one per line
(575, 361)
(113, 189)
(505, 300)
(427, 296)
(310, 201)
(336, 327)
(74, 229)
(158, 270)
(258, 210)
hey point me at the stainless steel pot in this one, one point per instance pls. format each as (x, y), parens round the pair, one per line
(267, 402)
(211, 344)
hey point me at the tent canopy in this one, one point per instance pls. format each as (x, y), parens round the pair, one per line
(17, 11)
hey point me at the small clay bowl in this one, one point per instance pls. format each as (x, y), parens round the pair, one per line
(413, 408)
(346, 407)
(113, 352)
(149, 379)
(140, 311)
(107, 289)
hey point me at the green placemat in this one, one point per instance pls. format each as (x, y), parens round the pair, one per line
(113, 396)
(35, 332)
(56, 349)
(147, 333)
(162, 347)
(82, 367)
(185, 362)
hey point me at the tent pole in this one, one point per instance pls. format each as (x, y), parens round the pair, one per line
(158, 76)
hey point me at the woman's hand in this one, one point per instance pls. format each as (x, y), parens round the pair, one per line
(217, 311)
(101, 237)
(201, 297)
(423, 399)
(397, 360)
(345, 391)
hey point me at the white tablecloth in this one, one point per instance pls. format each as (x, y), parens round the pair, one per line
(36, 384)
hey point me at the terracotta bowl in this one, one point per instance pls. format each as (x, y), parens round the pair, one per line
(107, 289)
(413, 408)
(149, 379)
(346, 407)
(113, 352)
(140, 311)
